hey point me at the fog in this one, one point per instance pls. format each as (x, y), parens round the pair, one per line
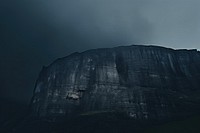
(34, 33)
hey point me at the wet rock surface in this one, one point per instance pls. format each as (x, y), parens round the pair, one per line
(143, 82)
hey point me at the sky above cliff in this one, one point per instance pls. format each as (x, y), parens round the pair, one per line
(33, 33)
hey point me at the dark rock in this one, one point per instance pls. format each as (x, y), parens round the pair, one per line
(145, 82)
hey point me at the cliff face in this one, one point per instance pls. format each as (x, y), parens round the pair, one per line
(145, 82)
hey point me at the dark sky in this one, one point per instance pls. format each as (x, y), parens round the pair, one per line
(33, 33)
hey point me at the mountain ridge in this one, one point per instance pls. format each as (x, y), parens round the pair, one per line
(133, 45)
(145, 82)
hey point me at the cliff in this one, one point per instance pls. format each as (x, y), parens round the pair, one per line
(144, 82)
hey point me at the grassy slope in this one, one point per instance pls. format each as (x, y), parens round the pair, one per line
(11, 114)
(190, 125)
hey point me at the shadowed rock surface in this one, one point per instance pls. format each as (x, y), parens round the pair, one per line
(143, 82)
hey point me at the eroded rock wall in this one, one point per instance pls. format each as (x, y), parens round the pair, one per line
(146, 82)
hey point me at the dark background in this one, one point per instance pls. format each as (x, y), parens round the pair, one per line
(33, 33)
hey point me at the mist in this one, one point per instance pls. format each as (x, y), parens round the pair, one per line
(36, 32)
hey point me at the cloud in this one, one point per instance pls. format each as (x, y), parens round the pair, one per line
(36, 32)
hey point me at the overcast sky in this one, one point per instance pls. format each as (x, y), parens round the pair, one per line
(33, 33)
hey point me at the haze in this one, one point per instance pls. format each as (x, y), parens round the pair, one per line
(33, 33)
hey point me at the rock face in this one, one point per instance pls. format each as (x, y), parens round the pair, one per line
(145, 82)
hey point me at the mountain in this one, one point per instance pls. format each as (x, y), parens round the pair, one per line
(145, 83)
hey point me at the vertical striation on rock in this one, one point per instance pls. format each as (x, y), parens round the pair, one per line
(145, 82)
